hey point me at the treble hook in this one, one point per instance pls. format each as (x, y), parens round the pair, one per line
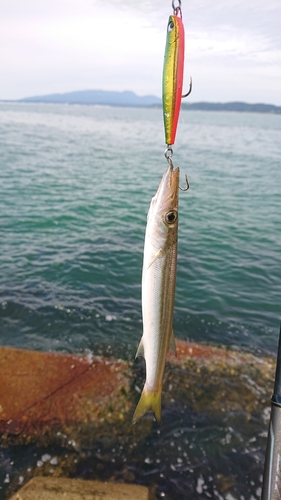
(187, 185)
(190, 89)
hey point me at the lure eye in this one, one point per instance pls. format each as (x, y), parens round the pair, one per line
(171, 216)
(170, 26)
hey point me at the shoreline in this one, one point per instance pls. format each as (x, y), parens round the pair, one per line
(233, 107)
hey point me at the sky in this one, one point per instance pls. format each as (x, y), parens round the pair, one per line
(232, 47)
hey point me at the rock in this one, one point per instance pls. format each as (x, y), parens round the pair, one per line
(219, 380)
(73, 400)
(77, 412)
(45, 394)
(44, 488)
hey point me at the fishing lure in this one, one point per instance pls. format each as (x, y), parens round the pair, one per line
(173, 74)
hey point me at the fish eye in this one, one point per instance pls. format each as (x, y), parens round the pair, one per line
(171, 216)
(170, 26)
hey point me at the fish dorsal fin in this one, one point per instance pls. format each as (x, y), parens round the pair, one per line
(173, 343)
(140, 350)
(156, 256)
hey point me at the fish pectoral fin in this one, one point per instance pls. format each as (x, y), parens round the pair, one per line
(158, 254)
(140, 349)
(148, 401)
(173, 343)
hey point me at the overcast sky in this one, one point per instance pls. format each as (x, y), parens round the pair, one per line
(233, 47)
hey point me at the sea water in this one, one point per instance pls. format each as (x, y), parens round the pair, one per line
(75, 187)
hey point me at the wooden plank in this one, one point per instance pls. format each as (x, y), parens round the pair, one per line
(45, 488)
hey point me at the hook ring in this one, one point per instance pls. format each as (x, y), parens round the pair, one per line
(168, 153)
(177, 9)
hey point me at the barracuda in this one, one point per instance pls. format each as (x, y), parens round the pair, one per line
(158, 289)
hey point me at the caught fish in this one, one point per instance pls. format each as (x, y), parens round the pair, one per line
(158, 289)
(173, 77)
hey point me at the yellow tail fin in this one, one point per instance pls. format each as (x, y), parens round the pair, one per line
(148, 401)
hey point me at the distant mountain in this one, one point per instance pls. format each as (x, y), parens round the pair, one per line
(233, 106)
(102, 97)
(128, 98)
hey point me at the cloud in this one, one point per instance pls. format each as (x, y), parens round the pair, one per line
(62, 45)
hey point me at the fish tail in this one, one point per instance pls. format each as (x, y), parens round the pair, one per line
(148, 401)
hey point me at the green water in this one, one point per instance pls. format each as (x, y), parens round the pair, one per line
(76, 183)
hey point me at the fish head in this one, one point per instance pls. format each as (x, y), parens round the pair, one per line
(163, 212)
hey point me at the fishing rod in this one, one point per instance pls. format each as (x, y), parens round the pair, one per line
(272, 469)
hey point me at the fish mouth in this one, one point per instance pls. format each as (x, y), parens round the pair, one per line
(166, 197)
(173, 177)
(167, 194)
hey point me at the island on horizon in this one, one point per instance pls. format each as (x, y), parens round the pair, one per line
(130, 99)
